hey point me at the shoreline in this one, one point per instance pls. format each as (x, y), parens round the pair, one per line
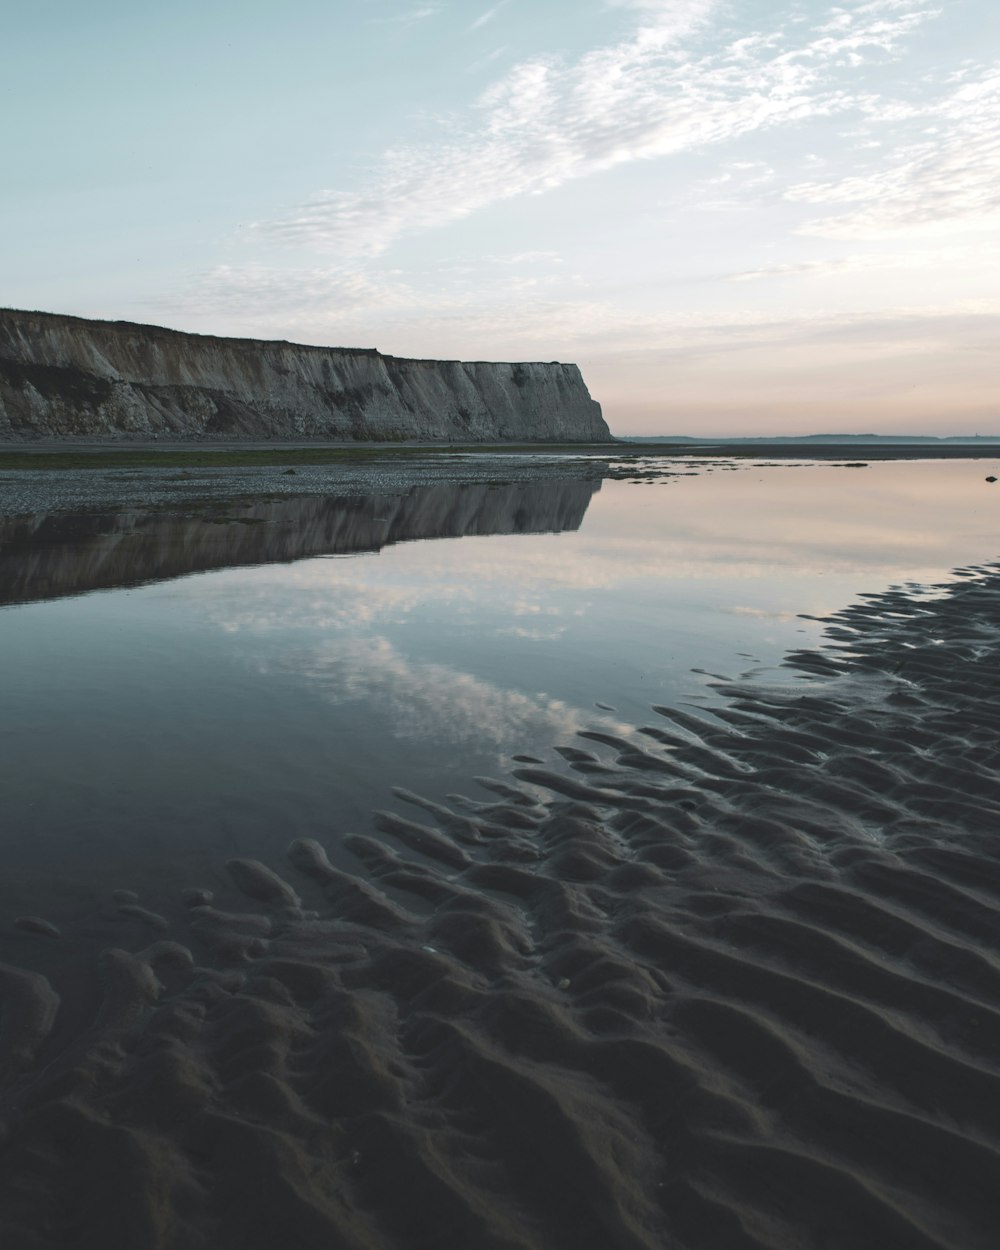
(95, 479)
(180, 452)
(736, 987)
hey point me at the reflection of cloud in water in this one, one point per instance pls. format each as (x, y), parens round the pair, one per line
(551, 634)
(651, 552)
(517, 575)
(433, 701)
(764, 613)
(526, 607)
(265, 612)
(315, 596)
(910, 520)
(318, 595)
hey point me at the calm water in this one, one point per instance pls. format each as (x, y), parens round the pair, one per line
(149, 729)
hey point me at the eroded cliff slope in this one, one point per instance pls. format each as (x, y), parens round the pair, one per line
(69, 377)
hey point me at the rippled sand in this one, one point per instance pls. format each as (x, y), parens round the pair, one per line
(737, 989)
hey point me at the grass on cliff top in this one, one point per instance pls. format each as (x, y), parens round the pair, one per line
(230, 457)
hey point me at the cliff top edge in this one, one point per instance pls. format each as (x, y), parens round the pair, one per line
(232, 341)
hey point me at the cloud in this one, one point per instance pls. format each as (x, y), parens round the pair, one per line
(474, 67)
(527, 258)
(534, 322)
(410, 16)
(657, 92)
(949, 174)
(810, 268)
(488, 16)
(927, 258)
(271, 289)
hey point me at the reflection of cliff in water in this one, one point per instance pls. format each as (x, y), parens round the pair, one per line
(50, 555)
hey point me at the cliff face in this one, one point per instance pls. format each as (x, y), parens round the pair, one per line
(50, 555)
(68, 377)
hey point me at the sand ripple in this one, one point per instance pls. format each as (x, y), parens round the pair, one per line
(736, 988)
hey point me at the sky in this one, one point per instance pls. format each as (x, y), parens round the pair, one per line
(738, 218)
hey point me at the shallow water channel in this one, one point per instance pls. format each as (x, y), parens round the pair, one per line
(179, 687)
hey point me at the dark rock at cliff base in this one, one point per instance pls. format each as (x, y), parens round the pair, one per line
(69, 377)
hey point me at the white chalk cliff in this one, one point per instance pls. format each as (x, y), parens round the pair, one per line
(70, 377)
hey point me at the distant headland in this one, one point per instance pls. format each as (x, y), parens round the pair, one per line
(813, 441)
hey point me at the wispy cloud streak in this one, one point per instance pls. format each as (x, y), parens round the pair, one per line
(488, 16)
(409, 16)
(950, 173)
(666, 88)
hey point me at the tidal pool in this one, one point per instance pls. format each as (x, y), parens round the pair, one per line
(181, 688)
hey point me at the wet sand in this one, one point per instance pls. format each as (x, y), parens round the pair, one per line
(739, 988)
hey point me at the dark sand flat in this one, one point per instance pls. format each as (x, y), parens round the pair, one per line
(738, 989)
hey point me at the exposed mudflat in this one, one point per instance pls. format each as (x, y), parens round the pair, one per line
(81, 475)
(736, 989)
(42, 490)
